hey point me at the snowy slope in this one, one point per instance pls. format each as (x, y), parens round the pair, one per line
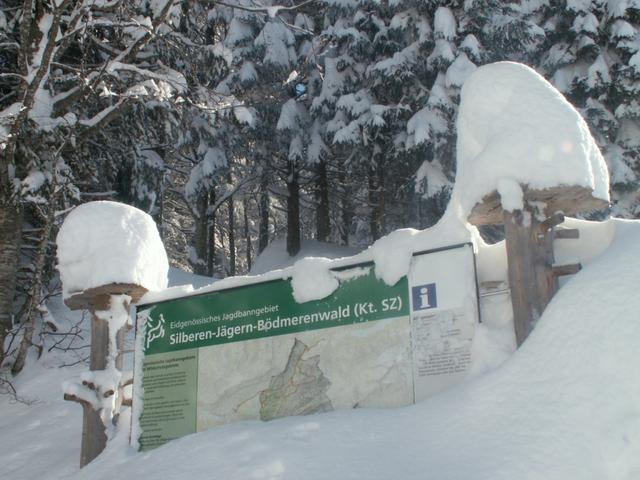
(178, 277)
(42, 439)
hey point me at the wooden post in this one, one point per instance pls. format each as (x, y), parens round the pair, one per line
(94, 437)
(530, 261)
(533, 277)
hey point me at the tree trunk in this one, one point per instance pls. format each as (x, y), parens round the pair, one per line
(374, 213)
(263, 233)
(36, 286)
(30, 37)
(232, 237)
(223, 265)
(322, 203)
(382, 228)
(247, 232)
(160, 216)
(10, 231)
(200, 239)
(345, 204)
(211, 237)
(293, 210)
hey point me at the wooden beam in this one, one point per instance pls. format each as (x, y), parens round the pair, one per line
(552, 221)
(492, 284)
(571, 269)
(98, 298)
(566, 233)
(74, 398)
(94, 438)
(569, 199)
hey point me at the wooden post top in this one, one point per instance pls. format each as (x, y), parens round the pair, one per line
(96, 299)
(568, 199)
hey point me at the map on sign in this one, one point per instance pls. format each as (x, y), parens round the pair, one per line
(252, 352)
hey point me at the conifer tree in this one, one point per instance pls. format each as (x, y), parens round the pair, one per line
(592, 57)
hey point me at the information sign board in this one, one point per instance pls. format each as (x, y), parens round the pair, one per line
(252, 352)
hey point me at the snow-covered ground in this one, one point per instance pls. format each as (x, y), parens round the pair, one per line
(566, 405)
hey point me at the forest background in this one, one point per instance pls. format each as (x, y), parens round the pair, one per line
(237, 122)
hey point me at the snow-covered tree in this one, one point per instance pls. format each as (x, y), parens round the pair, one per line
(91, 95)
(271, 46)
(592, 57)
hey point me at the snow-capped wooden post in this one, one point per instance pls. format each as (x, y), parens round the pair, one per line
(100, 301)
(533, 275)
(525, 158)
(110, 255)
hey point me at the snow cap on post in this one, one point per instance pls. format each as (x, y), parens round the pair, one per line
(109, 243)
(515, 127)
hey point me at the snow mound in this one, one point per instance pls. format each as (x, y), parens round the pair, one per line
(514, 125)
(564, 406)
(109, 242)
(275, 256)
(179, 277)
(312, 279)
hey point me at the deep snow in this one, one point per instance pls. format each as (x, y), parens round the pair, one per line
(566, 405)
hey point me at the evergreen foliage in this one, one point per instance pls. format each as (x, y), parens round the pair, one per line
(235, 122)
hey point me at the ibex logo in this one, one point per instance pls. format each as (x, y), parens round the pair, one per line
(154, 331)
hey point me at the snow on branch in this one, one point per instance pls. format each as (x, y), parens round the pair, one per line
(66, 99)
(102, 118)
(105, 24)
(131, 53)
(271, 10)
(173, 78)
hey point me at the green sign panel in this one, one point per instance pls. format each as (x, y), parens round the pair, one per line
(170, 389)
(253, 352)
(176, 331)
(265, 310)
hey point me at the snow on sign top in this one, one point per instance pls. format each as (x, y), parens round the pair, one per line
(108, 242)
(514, 126)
